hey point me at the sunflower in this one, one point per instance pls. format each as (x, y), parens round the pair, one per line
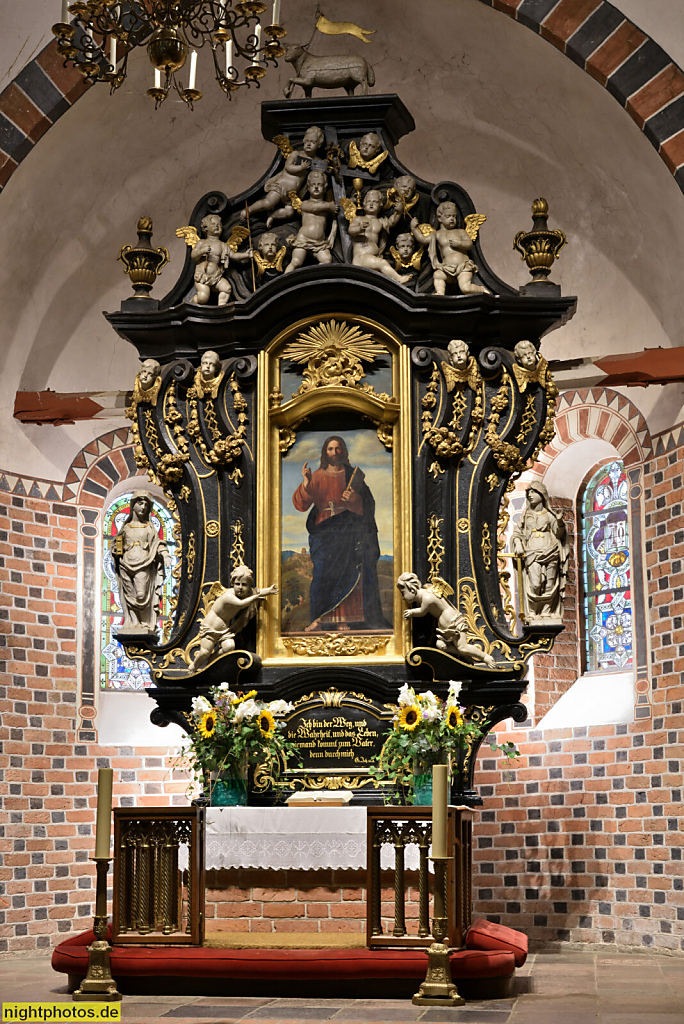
(243, 697)
(409, 717)
(454, 717)
(266, 724)
(207, 724)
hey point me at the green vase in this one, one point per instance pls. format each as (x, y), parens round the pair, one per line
(422, 788)
(228, 791)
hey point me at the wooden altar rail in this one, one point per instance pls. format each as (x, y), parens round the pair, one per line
(400, 827)
(152, 904)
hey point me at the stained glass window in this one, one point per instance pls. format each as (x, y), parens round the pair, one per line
(607, 570)
(117, 670)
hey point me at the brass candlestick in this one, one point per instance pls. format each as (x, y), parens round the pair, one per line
(99, 986)
(438, 989)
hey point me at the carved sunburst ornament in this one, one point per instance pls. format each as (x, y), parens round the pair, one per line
(334, 354)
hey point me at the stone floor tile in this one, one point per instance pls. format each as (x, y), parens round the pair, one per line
(294, 1012)
(249, 1001)
(203, 1012)
(136, 1009)
(463, 1015)
(641, 1018)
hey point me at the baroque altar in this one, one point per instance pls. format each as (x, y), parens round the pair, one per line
(336, 396)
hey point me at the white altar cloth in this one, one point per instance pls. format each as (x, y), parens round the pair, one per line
(306, 838)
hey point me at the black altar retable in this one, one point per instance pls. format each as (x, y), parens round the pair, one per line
(339, 349)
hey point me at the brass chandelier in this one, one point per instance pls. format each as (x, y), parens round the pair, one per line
(103, 32)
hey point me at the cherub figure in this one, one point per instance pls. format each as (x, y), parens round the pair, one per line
(367, 153)
(454, 244)
(452, 629)
(404, 189)
(461, 368)
(526, 355)
(269, 256)
(212, 256)
(530, 367)
(369, 235)
(406, 256)
(209, 375)
(147, 382)
(291, 178)
(228, 615)
(311, 236)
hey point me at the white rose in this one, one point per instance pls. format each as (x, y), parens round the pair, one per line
(248, 709)
(200, 706)
(430, 713)
(454, 690)
(224, 690)
(280, 707)
(428, 698)
(407, 696)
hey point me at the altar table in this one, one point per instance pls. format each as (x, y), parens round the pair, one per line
(305, 838)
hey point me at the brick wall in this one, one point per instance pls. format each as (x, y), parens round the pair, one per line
(47, 781)
(286, 901)
(584, 844)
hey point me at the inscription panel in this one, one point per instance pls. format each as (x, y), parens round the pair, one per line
(339, 735)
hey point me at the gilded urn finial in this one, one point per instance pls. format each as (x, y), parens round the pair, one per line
(142, 262)
(539, 248)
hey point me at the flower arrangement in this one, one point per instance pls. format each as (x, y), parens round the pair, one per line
(233, 730)
(427, 731)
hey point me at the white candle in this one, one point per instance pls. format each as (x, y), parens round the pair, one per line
(103, 825)
(193, 70)
(276, 12)
(229, 56)
(157, 78)
(65, 12)
(112, 51)
(258, 44)
(439, 809)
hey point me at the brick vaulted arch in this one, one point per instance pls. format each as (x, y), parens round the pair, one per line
(599, 413)
(592, 33)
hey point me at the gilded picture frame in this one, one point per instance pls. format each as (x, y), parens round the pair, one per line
(334, 379)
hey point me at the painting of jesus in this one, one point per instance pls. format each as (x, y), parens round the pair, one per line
(344, 551)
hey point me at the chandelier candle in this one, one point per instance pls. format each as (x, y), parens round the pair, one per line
(65, 12)
(229, 56)
(193, 69)
(258, 44)
(276, 12)
(104, 813)
(439, 809)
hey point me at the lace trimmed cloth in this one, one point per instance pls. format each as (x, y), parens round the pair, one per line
(278, 838)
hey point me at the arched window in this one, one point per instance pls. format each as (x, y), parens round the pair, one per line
(604, 512)
(117, 670)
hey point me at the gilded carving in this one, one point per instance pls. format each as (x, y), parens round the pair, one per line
(435, 547)
(212, 528)
(331, 645)
(237, 551)
(486, 546)
(460, 371)
(191, 555)
(225, 449)
(334, 354)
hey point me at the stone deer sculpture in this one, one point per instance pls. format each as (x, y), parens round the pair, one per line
(338, 71)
